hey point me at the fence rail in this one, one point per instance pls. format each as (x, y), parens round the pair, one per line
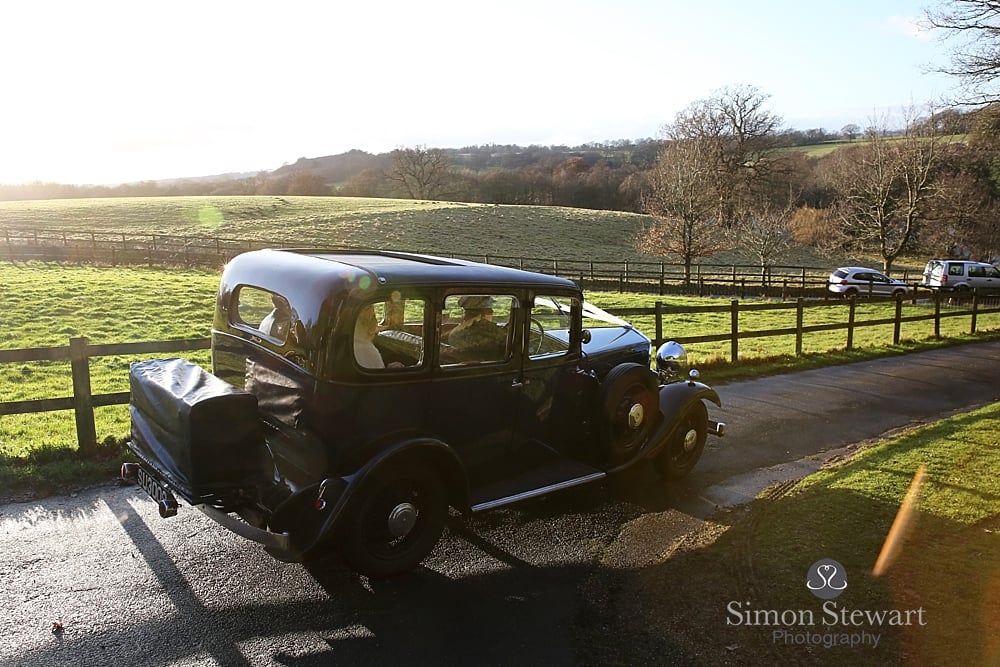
(80, 351)
(703, 279)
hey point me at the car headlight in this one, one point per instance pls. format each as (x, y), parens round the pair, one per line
(671, 361)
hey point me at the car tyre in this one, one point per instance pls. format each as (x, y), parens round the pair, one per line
(395, 522)
(686, 444)
(630, 410)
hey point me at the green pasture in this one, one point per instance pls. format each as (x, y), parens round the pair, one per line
(47, 304)
(435, 227)
(401, 224)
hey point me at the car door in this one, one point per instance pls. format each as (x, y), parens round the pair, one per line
(555, 409)
(472, 400)
(984, 277)
(993, 279)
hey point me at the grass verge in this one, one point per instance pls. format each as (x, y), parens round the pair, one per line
(736, 593)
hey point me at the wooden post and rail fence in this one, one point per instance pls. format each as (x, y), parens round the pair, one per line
(627, 275)
(80, 351)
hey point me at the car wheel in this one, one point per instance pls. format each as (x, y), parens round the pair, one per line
(680, 455)
(630, 410)
(851, 293)
(898, 293)
(395, 522)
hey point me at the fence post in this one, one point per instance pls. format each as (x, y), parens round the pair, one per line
(659, 323)
(937, 314)
(799, 312)
(975, 308)
(86, 430)
(734, 327)
(850, 322)
(899, 319)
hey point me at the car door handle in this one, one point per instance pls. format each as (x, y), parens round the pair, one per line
(519, 383)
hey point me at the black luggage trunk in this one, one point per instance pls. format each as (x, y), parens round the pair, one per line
(204, 433)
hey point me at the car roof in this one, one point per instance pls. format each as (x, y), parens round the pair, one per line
(959, 261)
(326, 271)
(858, 268)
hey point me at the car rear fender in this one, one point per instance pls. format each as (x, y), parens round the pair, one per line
(674, 399)
(333, 495)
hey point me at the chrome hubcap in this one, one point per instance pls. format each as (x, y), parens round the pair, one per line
(401, 519)
(690, 440)
(635, 416)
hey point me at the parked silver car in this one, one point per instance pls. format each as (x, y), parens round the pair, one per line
(956, 275)
(860, 281)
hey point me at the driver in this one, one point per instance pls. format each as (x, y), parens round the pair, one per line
(477, 337)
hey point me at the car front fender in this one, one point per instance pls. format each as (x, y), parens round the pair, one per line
(674, 398)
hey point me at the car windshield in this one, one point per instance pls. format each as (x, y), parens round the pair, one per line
(593, 317)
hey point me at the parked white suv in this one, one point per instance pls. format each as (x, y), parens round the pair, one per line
(959, 275)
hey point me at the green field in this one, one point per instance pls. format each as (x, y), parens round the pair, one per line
(446, 228)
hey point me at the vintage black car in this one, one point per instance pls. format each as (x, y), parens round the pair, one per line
(356, 395)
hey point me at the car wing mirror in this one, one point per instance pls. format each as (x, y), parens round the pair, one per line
(585, 336)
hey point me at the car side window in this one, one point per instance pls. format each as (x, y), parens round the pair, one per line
(389, 333)
(267, 312)
(977, 271)
(955, 270)
(475, 328)
(549, 326)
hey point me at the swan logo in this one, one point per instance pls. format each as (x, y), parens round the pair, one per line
(826, 579)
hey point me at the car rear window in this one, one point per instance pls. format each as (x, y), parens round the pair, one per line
(267, 312)
(840, 273)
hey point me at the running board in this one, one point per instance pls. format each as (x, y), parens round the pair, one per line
(278, 541)
(534, 493)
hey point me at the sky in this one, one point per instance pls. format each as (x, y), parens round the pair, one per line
(108, 91)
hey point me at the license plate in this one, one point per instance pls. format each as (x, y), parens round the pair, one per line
(152, 487)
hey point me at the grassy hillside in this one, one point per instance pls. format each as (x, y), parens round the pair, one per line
(422, 226)
(402, 224)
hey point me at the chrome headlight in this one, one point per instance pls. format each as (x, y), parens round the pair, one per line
(671, 361)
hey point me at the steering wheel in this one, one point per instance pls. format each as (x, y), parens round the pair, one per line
(541, 334)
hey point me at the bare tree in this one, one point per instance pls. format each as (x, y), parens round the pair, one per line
(884, 186)
(681, 199)
(963, 216)
(763, 231)
(974, 25)
(421, 172)
(737, 135)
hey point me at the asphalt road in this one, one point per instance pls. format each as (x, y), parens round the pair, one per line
(513, 586)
